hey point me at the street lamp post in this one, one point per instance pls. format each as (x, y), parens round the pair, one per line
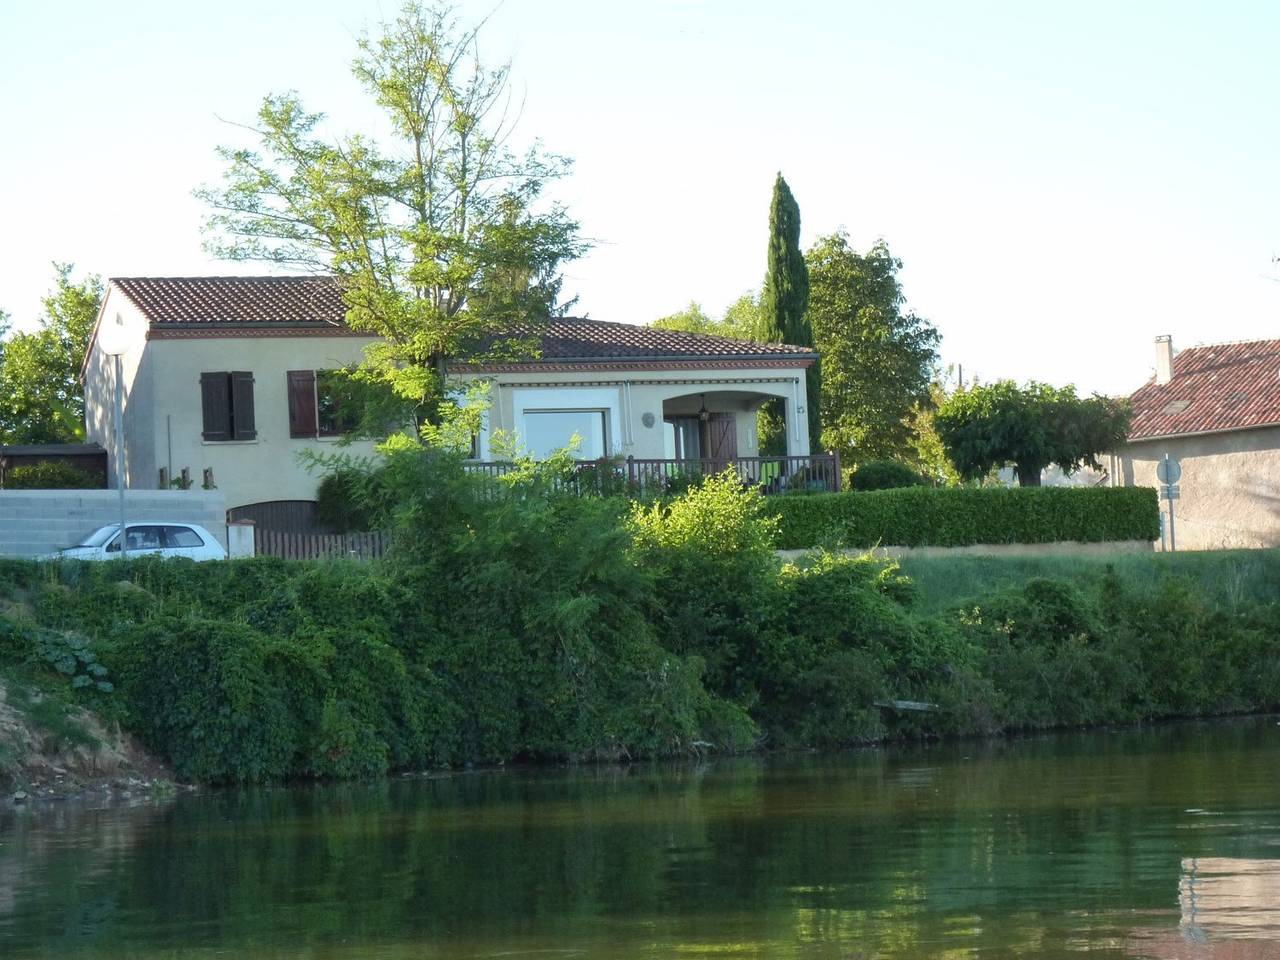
(113, 341)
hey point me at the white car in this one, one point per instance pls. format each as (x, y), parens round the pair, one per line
(149, 537)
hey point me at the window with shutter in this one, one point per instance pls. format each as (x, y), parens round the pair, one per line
(243, 426)
(333, 403)
(302, 403)
(215, 402)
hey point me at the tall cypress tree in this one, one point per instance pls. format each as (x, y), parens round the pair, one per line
(785, 299)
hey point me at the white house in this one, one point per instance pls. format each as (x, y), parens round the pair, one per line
(224, 378)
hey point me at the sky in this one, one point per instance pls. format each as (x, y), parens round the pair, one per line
(1063, 182)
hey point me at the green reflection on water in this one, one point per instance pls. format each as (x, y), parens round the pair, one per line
(1135, 843)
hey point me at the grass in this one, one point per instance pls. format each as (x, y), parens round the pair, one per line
(1230, 578)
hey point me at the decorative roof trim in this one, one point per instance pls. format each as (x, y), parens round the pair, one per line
(637, 363)
(209, 331)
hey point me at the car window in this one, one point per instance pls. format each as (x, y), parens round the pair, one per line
(178, 537)
(146, 538)
(99, 536)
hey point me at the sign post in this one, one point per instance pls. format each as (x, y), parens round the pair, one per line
(1168, 472)
(113, 341)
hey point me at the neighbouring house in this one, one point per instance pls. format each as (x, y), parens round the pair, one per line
(225, 384)
(1216, 410)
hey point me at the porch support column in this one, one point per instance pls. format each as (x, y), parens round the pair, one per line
(797, 422)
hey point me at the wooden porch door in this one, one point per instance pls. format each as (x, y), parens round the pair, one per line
(722, 440)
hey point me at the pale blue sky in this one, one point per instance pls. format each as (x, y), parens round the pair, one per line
(1063, 181)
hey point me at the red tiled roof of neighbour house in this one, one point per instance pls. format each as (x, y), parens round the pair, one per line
(229, 300)
(1221, 386)
(188, 305)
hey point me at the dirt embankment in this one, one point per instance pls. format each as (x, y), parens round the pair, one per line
(49, 750)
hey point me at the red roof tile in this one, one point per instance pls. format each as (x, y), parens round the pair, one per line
(291, 301)
(1221, 386)
(186, 300)
(580, 338)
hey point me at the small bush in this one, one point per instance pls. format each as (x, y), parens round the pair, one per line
(345, 500)
(50, 475)
(883, 475)
(960, 516)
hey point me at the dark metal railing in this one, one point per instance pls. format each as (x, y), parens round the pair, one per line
(654, 477)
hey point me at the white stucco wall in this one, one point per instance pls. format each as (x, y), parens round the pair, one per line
(163, 419)
(628, 396)
(1230, 486)
(246, 471)
(139, 396)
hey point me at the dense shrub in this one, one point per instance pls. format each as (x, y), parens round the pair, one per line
(50, 475)
(515, 622)
(346, 498)
(951, 517)
(883, 475)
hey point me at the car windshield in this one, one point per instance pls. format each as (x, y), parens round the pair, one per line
(99, 536)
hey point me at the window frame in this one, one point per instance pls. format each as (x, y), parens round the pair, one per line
(227, 406)
(311, 426)
(170, 530)
(602, 412)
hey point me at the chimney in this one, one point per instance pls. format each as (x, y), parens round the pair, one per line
(1164, 359)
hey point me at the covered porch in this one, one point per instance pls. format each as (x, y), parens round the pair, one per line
(656, 430)
(665, 441)
(709, 431)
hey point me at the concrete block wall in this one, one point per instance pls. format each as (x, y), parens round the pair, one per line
(35, 522)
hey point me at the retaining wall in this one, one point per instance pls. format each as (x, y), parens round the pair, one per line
(35, 522)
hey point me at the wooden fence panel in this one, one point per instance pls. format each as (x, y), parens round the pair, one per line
(315, 546)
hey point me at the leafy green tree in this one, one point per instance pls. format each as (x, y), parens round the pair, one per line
(987, 426)
(877, 360)
(742, 317)
(783, 305)
(739, 321)
(438, 232)
(692, 319)
(785, 297)
(927, 454)
(41, 397)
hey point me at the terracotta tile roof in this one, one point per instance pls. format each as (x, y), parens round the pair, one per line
(290, 301)
(579, 338)
(1222, 386)
(190, 300)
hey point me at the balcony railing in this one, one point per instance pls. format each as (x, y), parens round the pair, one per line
(646, 477)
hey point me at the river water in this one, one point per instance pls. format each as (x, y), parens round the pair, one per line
(1162, 842)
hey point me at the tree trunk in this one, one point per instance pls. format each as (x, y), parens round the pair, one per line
(1029, 475)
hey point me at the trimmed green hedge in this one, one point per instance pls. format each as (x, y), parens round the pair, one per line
(50, 475)
(960, 516)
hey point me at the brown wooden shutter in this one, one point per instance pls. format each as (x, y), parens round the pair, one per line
(242, 423)
(215, 402)
(302, 403)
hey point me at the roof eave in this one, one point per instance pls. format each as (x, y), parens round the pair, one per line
(805, 358)
(1203, 433)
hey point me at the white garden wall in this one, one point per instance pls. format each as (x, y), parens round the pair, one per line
(35, 522)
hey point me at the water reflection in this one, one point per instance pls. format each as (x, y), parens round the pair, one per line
(1222, 896)
(1044, 847)
(1230, 910)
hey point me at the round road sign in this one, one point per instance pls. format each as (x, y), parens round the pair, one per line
(1168, 470)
